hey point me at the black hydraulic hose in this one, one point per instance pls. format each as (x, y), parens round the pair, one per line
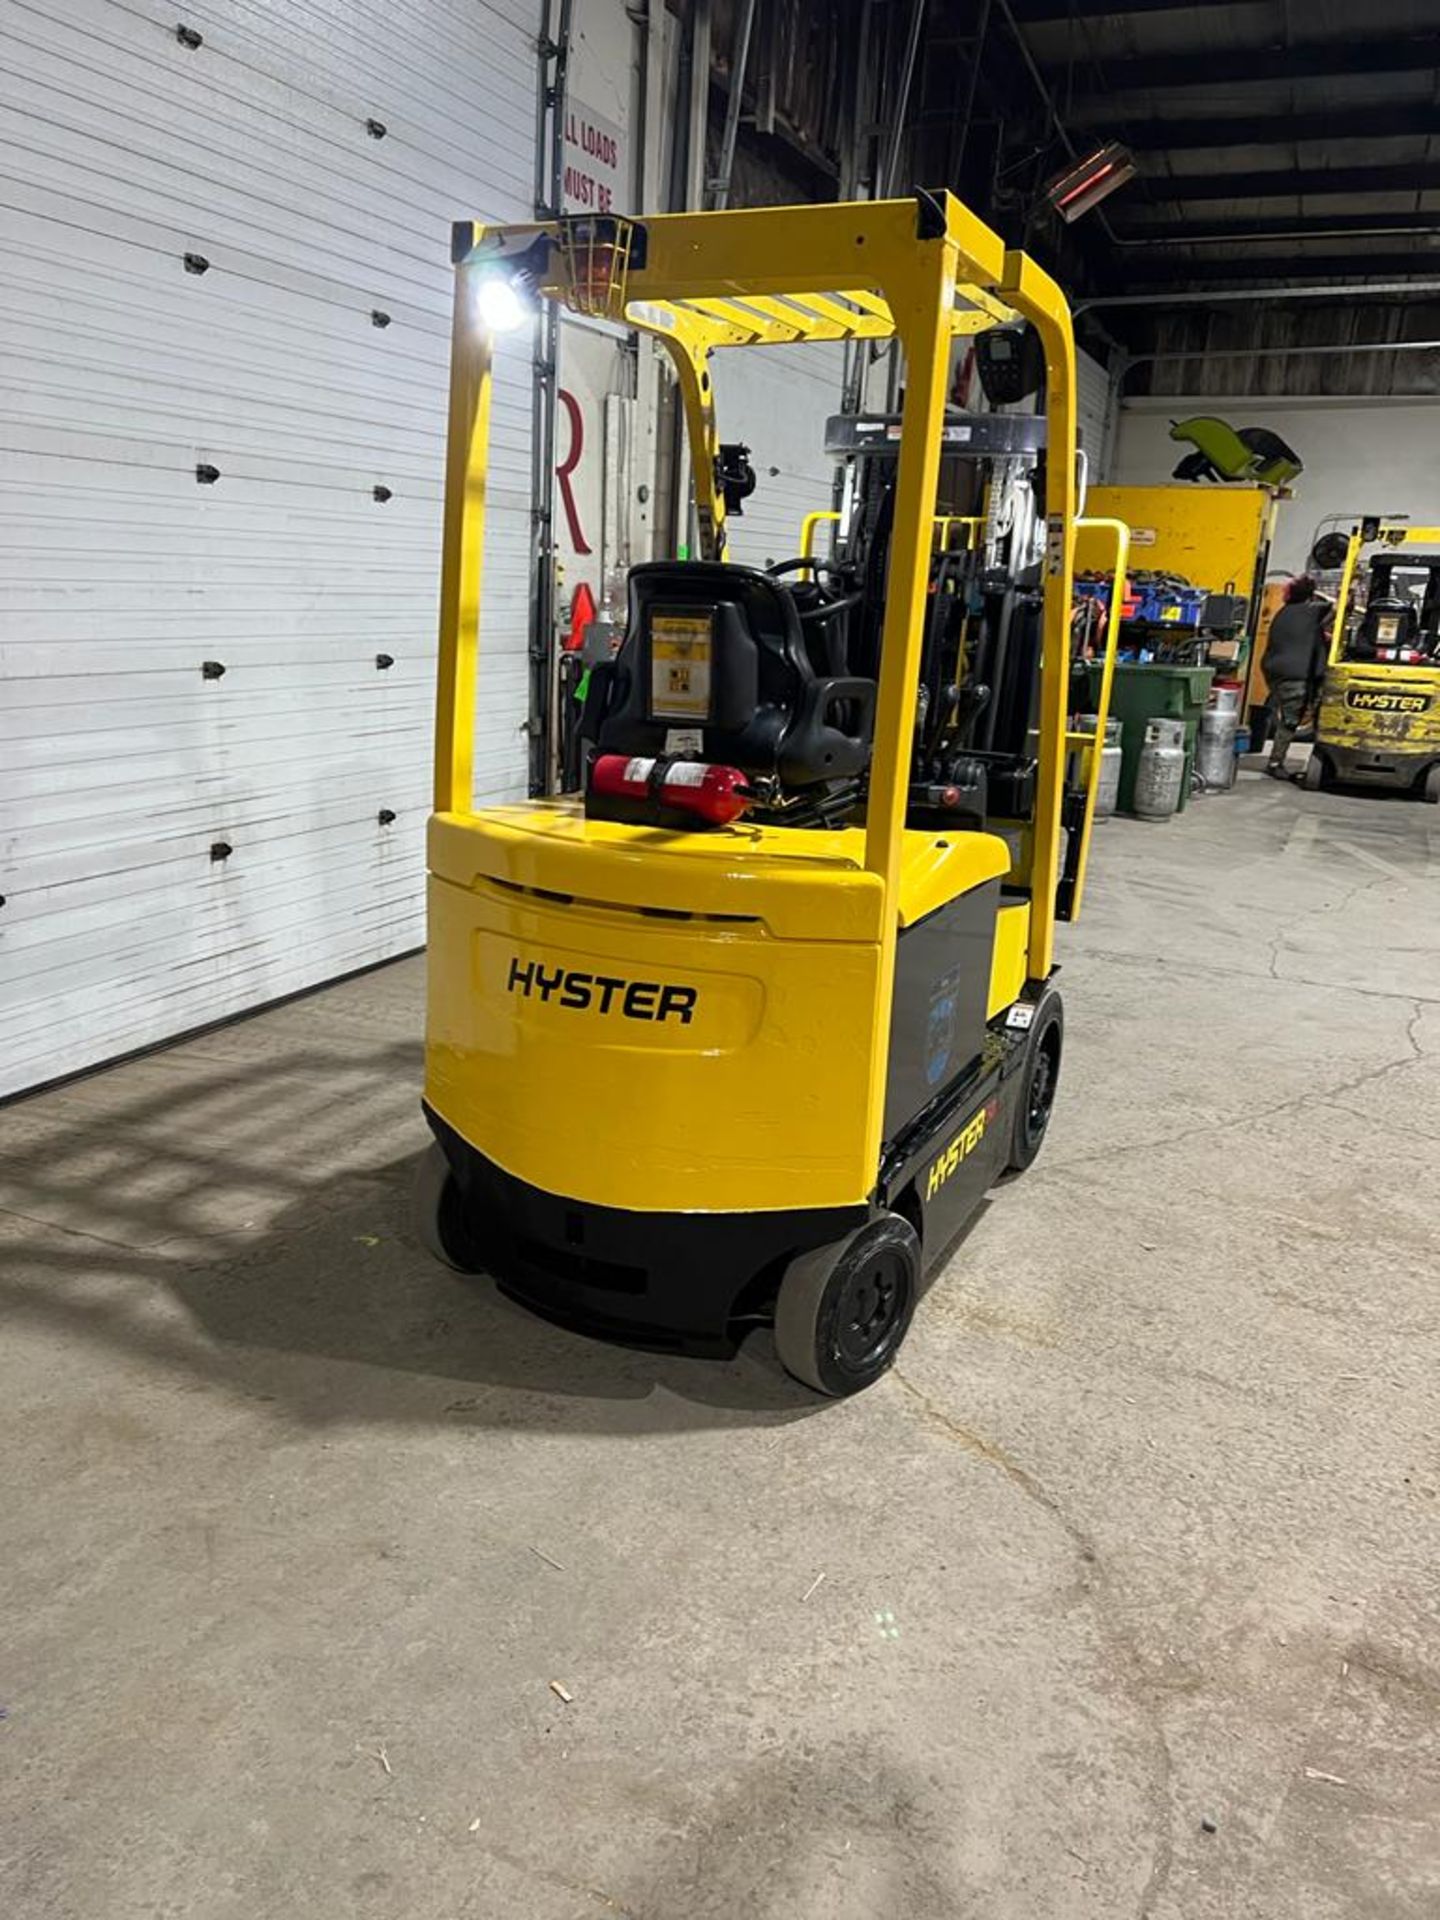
(876, 564)
(999, 617)
(935, 635)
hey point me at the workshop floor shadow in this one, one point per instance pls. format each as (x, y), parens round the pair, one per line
(247, 1221)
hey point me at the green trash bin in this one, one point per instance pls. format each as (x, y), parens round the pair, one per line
(1141, 693)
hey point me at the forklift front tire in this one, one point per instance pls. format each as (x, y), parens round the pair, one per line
(439, 1216)
(1431, 788)
(845, 1308)
(1039, 1078)
(1313, 778)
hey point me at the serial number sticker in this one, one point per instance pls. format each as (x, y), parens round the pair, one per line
(1022, 1014)
(680, 656)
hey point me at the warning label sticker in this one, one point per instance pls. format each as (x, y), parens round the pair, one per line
(680, 654)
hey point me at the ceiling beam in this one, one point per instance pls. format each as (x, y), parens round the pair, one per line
(1420, 120)
(1158, 269)
(1414, 176)
(1035, 12)
(1285, 227)
(1378, 53)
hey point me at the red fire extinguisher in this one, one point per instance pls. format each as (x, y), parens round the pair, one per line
(715, 794)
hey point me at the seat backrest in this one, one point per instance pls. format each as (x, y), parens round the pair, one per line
(720, 650)
(1389, 621)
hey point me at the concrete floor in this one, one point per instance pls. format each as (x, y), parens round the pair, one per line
(1143, 1534)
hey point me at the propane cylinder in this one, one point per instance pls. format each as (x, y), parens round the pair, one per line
(1107, 793)
(715, 795)
(1161, 770)
(1215, 748)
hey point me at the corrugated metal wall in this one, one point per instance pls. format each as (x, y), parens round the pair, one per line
(1232, 351)
(224, 319)
(1095, 409)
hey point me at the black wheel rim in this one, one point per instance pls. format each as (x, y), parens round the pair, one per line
(1040, 1096)
(871, 1309)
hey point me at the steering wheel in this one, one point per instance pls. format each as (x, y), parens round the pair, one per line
(836, 602)
(803, 562)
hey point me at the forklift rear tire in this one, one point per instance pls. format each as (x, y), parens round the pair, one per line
(844, 1309)
(1313, 778)
(439, 1217)
(1040, 1076)
(1431, 788)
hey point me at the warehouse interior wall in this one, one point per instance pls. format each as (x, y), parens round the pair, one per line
(1361, 457)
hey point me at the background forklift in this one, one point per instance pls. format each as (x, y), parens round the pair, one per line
(744, 1031)
(1378, 723)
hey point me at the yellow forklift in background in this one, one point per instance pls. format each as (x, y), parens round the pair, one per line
(743, 1032)
(1378, 723)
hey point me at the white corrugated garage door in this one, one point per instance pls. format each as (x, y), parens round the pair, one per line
(1094, 410)
(314, 155)
(777, 402)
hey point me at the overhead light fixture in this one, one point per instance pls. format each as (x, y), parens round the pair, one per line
(505, 271)
(502, 301)
(1089, 181)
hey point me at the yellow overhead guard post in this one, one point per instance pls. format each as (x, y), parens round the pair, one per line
(1117, 535)
(683, 1079)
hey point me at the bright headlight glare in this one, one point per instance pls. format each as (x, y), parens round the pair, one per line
(500, 304)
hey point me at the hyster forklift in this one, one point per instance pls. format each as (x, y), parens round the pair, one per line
(1379, 717)
(743, 1032)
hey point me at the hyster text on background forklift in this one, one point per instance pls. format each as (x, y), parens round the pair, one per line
(744, 1032)
(1379, 718)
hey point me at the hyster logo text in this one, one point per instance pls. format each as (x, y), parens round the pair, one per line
(633, 999)
(1367, 700)
(960, 1148)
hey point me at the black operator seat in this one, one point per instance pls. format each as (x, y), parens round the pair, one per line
(721, 650)
(1388, 621)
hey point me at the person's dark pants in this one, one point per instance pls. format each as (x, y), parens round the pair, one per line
(1287, 703)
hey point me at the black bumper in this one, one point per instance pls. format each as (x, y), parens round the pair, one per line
(1377, 766)
(678, 1282)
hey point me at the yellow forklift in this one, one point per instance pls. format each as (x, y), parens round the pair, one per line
(1379, 717)
(743, 1032)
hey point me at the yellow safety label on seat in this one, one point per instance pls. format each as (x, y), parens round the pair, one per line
(680, 657)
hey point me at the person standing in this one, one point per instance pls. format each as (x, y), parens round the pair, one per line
(1294, 663)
